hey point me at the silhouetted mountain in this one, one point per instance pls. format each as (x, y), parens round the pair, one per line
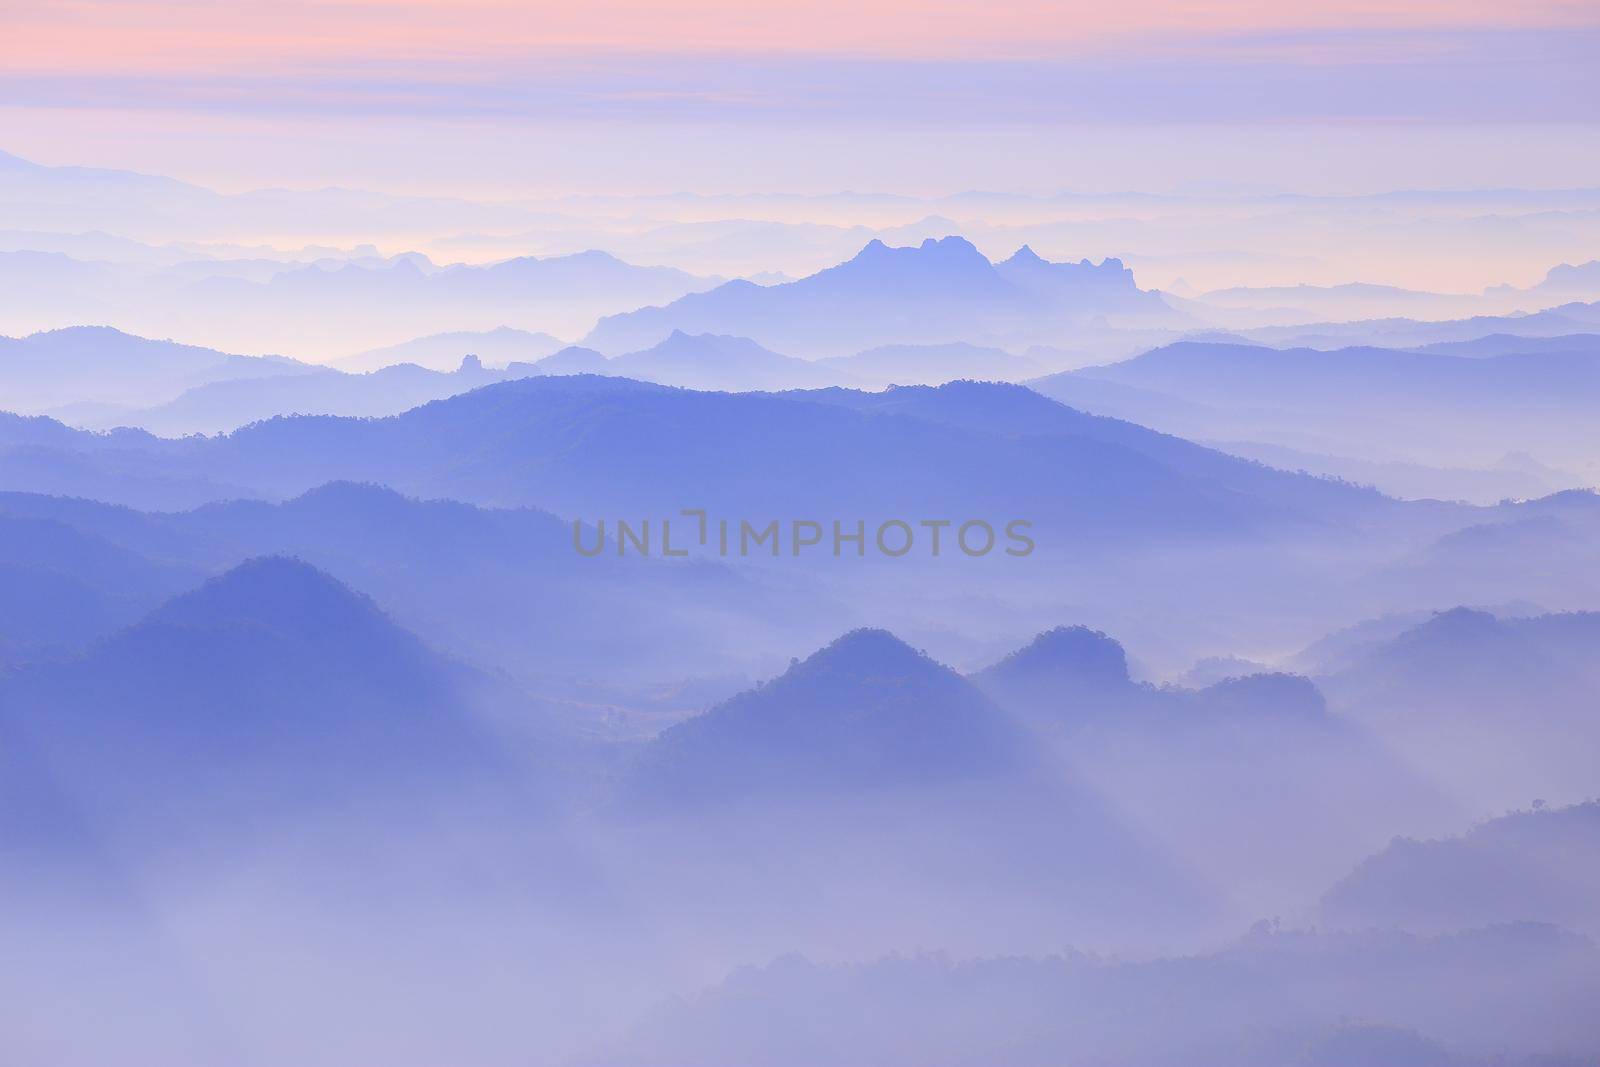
(40, 455)
(1506, 344)
(32, 537)
(219, 407)
(1508, 994)
(1573, 318)
(734, 364)
(1065, 664)
(1540, 866)
(311, 309)
(1079, 288)
(929, 365)
(871, 774)
(1410, 481)
(1097, 493)
(1015, 411)
(502, 587)
(571, 360)
(1425, 407)
(1341, 302)
(271, 689)
(865, 713)
(65, 588)
(1258, 755)
(1541, 552)
(651, 450)
(1254, 374)
(1498, 711)
(1561, 284)
(96, 364)
(939, 292)
(445, 351)
(1267, 698)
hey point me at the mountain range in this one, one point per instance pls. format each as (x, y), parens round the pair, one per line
(939, 292)
(1261, 755)
(1496, 712)
(86, 367)
(498, 587)
(445, 351)
(272, 690)
(325, 309)
(1423, 407)
(1532, 865)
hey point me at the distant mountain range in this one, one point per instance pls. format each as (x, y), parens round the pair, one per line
(1563, 284)
(1373, 403)
(732, 364)
(931, 365)
(1286, 305)
(174, 390)
(1540, 552)
(324, 310)
(88, 366)
(411, 296)
(1574, 317)
(940, 292)
(445, 351)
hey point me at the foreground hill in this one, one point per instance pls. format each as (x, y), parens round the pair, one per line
(865, 713)
(872, 774)
(1214, 772)
(272, 690)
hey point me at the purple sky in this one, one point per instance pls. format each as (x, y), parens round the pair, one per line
(629, 96)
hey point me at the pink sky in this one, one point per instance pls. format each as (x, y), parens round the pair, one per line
(104, 36)
(890, 94)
